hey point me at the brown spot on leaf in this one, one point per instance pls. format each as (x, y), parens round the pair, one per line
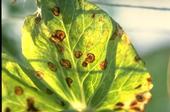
(7, 109)
(84, 64)
(56, 11)
(137, 58)
(57, 36)
(137, 87)
(65, 63)
(78, 54)
(149, 79)
(37, 19)
(93, 15)
(18, 90)
(119, 104)
(134, 103)
(140, 98)
(103, 64)
(39, 74)
(137, 109)
(69, 81)
(30, 105)
(52, 66)
(90, 58)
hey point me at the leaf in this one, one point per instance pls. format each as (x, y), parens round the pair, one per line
(83, 56)
(21, 97)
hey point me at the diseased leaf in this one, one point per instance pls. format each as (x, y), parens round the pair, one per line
(21, 97)
(79, 53)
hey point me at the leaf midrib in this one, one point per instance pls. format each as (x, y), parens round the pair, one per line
(71, 53)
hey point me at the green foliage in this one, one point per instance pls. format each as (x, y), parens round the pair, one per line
(157, 64)
(74, 58)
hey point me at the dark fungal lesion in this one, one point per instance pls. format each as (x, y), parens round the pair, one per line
(56, 11)
(119, 104)
(69, 81)
(37, 18)
(84, 64)
(7, 109)
(139, 86)
(52, 66)
(90, 58)
(137, 109)
(137, 58)
(78, 54)
(65, 63)
(134, 103)
(103, 65)
(31, 105)
(140, 98)
(58, 36)
(39, 74)
(18, 90)
(149, 79)
(93, 15)
(135, 106)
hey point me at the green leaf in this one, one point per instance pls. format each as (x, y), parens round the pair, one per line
(21, 97)
(80, 53)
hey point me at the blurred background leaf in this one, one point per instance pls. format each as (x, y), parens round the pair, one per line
(157, 64)
(19, 8)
